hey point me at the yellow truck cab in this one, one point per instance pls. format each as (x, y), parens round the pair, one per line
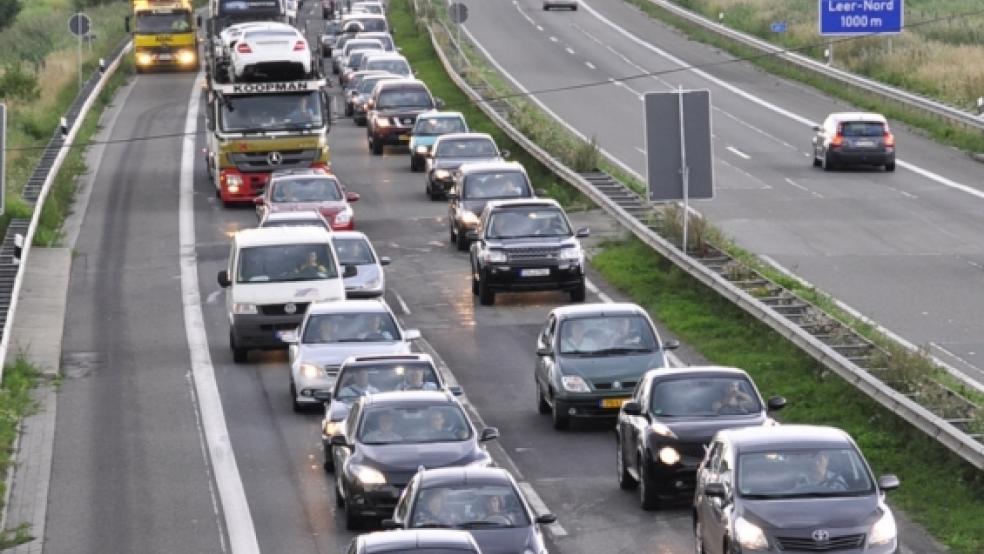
(164, 35)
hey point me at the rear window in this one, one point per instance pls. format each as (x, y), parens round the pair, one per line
(862, 129)
(404, 98)
(397, 67)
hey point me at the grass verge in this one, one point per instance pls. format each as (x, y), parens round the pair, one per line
(15, 404)
(939, 490)
(934, 128)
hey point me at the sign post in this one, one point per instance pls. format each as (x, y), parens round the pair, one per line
(861, 17)
(78, 25)
(3, 158)
(679, 162)
(458, 13)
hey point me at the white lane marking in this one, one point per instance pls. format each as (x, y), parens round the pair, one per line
(540, 508)
(802, 188)
(539, 28)
(904, 193)
(636, 93)
(553, 39)
(641, 150)
(213, 296)
(528, 18)
(770, 106)
(591, 65)
(403, 305)
(762, 184)
(741, 121)
(569, 51)
(738, 153)
(235, 507)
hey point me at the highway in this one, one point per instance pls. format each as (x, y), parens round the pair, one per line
(131, 469)
(903, 248)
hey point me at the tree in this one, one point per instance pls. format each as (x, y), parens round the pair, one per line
(8, 11)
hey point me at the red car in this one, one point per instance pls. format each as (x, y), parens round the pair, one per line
(308, 190)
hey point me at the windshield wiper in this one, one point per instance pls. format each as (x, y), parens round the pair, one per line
(431, 526)
(471, 524)
(620, 350)
(531, 236)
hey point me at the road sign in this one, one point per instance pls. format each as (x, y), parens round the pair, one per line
(79, 24)
(778, 27)
(861, 17)
(458, 12)
(672, 172)
(3, 157)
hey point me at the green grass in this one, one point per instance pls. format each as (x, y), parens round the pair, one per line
(939, 490)
(15, 404)
(938, 130)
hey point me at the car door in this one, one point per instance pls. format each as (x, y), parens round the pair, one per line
(632, 428)
(546, 351)
(343, 453)
(717, 516)
(401, 514)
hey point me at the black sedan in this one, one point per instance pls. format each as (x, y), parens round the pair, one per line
(485, 501)
(798, 488)
(663, 431)
(450, 151)
(388, 436)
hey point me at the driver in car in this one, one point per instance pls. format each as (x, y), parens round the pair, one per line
(311, 265)
(494, 510)
(820, 476)
(438, 428)
(433, 512)
(415, 380)
(734, 401)
(376, 330)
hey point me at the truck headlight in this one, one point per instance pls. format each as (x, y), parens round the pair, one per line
(574, 383)
(144, 59)
(186, 57)
(310, 370)
(749, 535)
(244, 309)
(884, 530)
(368, 476)
(669, 455)
(233, 182)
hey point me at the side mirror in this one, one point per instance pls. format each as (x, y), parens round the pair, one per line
(671, 345)
(888, 482)
(385, 260)
(389, 524)
(546, 519)
(541, 192)
(489, 433)
(632, 408)
(776, 403)
(349, 271)
(715, 490)
(352, 196)
(543, 350)
(198, 21)
(452, 194)
(258, 201)
(370, 104)
(439, 102)
(126, 23)
(505, 154)
(223, 278)
(817, 128)
(288, 336)
(338, 440)
(471, 235)
(411, 334)
(582, 232)
(456, 390)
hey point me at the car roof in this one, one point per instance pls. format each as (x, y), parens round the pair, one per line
(349, 235)
(271, 236)
(490, 166)
(405, 540)
(302, 172)
(357, 41)
(410, 398)
(598, 309)
(348, 306)
(384, 55)
(357, 16)
(439, 115)
(521, 202)
(750, 439)
(292, 215)
(442, 477)
(402, 82)
(464, 136)
(698, 371)
(859, 116)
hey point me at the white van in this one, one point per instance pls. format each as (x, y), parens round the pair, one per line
(274, 274)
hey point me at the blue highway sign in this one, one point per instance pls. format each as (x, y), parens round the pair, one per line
(861, 17)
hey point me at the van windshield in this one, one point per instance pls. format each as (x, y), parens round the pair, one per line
(282, 263)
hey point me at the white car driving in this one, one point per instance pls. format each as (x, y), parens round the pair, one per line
(273, 51)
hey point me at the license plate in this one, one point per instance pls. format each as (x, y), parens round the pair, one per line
(537, 272)
(404, 138)
(613, 403)
(164, 57)
(865, 143)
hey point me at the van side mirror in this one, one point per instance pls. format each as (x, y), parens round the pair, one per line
(505, 154)
(352, 196)
(671, 345)
(817, 128)
(456, 390)
(198, 20)
(546, 519)
(439, 102)
(452, 194)
(338, 440)
(776, 403)
(389, 524)
(385, 260)
(258, 201)
(223, 279)
(489, 433)
(582, 232)
(632, 408)
(411, 334)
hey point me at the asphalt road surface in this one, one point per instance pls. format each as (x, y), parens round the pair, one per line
(903, 248)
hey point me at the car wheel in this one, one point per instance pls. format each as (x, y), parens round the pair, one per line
(297, 406)
(699, 538)
(541, 403)
(352, 521)
(239, 354)
(329, 463)
(647, 490)
(475, 287)
(413, 163)
(816, 160)
(890, 166)
(348, 110)
(561, 421)
(339, 498)
(461, 241)
(826, 163)
(625, 480)
(376, 147)
(578, 293)
(486, 296)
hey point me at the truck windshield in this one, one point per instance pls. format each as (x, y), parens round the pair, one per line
(154, 23)
(271, 112)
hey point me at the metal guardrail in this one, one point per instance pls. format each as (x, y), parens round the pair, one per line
(36, 191)
(933, 425)
(910, 100)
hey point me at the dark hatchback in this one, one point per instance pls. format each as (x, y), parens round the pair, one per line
(791, 488)
(449, 152)
(417, 541)
(388, 436)
(663, 431)
(854, 139)
(590, 357)
(393, 109)
(477, 184)
(485, 501)
(526, 245)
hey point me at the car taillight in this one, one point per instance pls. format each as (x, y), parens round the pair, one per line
(300, 45)
(243, 48)
(889, 139)
(837, 140)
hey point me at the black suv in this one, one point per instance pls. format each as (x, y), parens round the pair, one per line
(526, 245)
(664, 429)
(393, 110)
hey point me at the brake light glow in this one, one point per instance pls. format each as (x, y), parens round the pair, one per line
(300, 45)
(243, 48)
(838, 140)
(889, 138)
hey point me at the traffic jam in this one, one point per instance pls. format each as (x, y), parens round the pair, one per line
(410, 466)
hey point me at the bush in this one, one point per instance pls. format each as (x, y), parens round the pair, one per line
(8, 12)
(17, 83)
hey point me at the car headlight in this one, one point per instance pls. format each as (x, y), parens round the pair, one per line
(343, 217)
(383, 121)
(469, 218)
(421, 149)
(570, 253)
(442, 174)
(332, 428)
(144, 59)
(495, 256)
(368, 476)
(669, 455)
(574, 383)
(244, 309)
(749, 535)
(662, 430)
(373, 283)
(884, 530)
(310, 370)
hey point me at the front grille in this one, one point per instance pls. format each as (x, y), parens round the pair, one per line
(607, 385)
(278, 327)
(278, 309)
(259, 161)
(525, 254)
(807, 544)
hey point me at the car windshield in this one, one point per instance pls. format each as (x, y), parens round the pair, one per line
(361, 44)
(372, 24)
(350, 327)
(151, 23)
(353, 251)
(313, 222)
(369, 82)
(704, 397)
(262, 113)
(356, 381)
(439, 125)
(528, 222)
(500, 184)
(404, 98)
(401, 425)
(466, 148)
(862, 129)
(606, 335)
(317, 189)
(368, 8)
(787, 473)
(267, 39)
(469, 507)
(285, 262)
(386, 40)
(355, 57)
(396, 67)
